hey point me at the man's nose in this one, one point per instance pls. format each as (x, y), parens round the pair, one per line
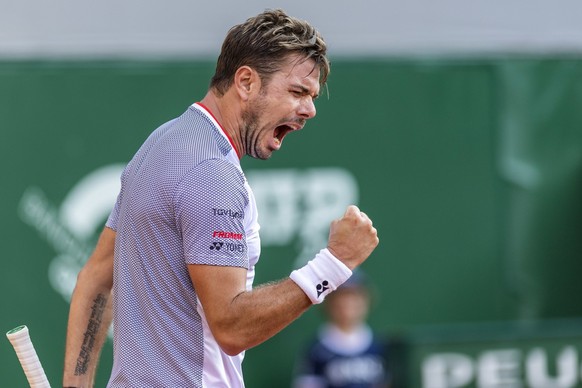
(307, 108)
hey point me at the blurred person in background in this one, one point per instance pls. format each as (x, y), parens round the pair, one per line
(346, 352)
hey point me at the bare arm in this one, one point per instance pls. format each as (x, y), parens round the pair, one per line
(90, 314)
(241, 319)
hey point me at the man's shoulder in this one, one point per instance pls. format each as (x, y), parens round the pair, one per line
(219, 168)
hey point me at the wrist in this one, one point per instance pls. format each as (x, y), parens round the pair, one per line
(321, 276)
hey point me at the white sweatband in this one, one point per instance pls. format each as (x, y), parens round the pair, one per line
(321, 275)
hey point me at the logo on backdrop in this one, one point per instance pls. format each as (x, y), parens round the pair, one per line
(72, 227)
(297, 206)
(295, 209)
(554, 364)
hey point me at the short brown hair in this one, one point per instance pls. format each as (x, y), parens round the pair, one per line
(263, 43)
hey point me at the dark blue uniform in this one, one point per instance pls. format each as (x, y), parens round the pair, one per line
(335, 362)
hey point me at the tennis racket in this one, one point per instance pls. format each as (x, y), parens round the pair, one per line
(20, 340)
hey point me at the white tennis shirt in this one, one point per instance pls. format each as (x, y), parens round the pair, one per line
(184, 200)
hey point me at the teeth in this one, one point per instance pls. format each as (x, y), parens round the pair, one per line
(277, 141)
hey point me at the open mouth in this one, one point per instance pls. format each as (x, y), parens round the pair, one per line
(280, 132)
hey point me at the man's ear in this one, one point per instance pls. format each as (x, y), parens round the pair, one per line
(246, 82)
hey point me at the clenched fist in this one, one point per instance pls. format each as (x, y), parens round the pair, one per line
(352, 238)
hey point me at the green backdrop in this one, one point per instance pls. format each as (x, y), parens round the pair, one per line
(470, 169)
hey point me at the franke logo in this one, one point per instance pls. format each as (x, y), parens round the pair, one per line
(228, 235)
(227, 212)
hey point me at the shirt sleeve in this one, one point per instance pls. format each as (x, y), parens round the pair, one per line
(114, 215)
(210, 204)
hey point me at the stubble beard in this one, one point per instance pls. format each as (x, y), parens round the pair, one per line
(251, 131)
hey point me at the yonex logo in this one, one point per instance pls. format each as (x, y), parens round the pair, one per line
(321, 288)
(216, 245)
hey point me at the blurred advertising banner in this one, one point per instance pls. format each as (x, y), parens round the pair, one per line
(543, 355)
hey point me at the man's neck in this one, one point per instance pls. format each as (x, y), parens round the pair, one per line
(225, 112)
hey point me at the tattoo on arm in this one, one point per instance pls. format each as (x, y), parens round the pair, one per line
(90, 335)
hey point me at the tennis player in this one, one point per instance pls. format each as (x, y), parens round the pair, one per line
(174, 266)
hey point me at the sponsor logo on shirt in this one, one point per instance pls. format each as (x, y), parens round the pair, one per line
(227, 212)
(228, 235)
(226, 246)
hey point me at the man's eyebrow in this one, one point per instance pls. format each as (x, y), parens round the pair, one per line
(305, 90)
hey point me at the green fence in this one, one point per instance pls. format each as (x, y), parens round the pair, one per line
(470, 168)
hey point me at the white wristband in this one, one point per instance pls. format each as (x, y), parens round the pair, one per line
(321, 275)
